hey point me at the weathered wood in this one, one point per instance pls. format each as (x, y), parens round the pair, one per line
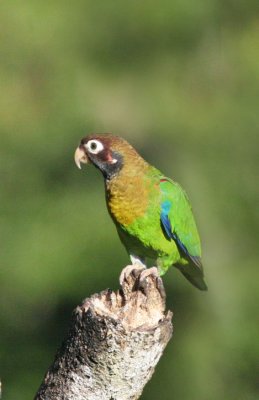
(114, 343)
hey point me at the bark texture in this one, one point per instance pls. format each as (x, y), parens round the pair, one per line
(114, 343)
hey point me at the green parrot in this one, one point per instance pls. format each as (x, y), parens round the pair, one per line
(152, 213)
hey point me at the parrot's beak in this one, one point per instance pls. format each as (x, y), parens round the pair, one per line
(80, 157)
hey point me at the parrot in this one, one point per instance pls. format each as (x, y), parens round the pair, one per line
(151, 212)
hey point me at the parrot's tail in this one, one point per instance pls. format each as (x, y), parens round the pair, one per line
(194, 275)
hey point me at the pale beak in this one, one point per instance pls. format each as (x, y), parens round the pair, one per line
(80, 157)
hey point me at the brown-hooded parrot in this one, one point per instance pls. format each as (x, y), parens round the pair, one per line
(152, 213)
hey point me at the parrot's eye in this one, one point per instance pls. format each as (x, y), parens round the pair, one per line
(94, 146)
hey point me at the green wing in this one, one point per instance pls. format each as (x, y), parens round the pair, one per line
(179, 225)
(178, 221)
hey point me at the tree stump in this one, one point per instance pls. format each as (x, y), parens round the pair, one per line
(114, 343)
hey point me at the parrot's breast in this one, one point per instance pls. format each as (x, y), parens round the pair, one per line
(127, 199)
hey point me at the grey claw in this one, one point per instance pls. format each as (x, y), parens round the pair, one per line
(160, 287)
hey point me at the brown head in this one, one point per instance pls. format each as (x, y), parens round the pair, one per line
(107, 152)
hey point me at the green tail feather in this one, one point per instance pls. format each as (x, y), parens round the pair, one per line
(193, 274)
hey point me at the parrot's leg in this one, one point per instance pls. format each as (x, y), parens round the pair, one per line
(137, 263)
(138, 260)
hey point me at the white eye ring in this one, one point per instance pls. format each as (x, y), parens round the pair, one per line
(94, 146)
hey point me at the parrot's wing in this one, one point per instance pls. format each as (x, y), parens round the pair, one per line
(178, 222)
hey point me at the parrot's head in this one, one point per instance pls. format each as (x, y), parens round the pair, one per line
(105, 151)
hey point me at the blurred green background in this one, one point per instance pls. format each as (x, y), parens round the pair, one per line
(180, 81)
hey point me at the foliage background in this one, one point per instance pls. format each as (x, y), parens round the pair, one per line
(180, 81)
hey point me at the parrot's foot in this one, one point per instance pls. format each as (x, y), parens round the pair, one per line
(146, 282)
(149, 271)
(125, 273)
(143, 282)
